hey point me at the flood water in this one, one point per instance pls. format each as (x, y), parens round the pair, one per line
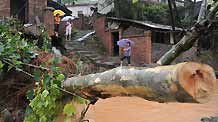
(134, 109)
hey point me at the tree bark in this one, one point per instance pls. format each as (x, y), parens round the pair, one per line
(184, 82)
(202, 13)
(188, 39)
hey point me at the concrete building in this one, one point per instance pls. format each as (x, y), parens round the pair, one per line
(82, 7)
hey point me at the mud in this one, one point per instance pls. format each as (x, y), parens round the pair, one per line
(134, 109)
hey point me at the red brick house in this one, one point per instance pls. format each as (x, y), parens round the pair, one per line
(24, 10)
(144, 34)
(30, 11)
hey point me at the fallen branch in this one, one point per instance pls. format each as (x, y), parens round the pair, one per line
(189, 38)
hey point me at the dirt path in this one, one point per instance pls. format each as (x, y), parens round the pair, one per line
(134, 109)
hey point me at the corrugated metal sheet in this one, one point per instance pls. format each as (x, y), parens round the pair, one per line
(145, 24)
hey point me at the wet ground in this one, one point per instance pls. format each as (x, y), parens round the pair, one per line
(134, 109)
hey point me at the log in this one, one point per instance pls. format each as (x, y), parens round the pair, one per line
(189, 39)
(184, 44)
(184, 82)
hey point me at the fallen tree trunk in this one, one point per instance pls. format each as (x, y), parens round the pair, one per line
(184, 82)
(189, 38)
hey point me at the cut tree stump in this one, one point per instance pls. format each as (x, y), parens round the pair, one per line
(184, 82)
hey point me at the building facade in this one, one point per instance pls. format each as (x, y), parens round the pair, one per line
(150, 40)
(84, 9)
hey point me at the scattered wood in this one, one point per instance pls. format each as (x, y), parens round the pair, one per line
(184, 82)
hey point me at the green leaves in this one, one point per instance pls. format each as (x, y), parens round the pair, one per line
(1, 65)
(30, 94)
(60, 77)
(80, 100)
(134, 1)
(69, 109)
(46, 81)
(15, 51)
(45, 93)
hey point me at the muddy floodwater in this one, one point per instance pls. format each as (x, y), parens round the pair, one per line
(134, 109)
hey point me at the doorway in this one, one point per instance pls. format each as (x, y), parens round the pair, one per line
(19, 9)
(115, 38)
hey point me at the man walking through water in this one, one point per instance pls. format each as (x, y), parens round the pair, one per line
(127, 54)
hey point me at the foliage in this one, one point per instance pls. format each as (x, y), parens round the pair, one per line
(45, 38)
(156, 13)
(44, 106)
(188, 21)
(14, 49)
(69, 109)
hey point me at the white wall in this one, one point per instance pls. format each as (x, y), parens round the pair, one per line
(86, 10)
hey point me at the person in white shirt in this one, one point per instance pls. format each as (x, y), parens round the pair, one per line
(68, 30)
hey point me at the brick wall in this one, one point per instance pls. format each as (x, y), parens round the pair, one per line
(103, 34)
(36, 8)
(158, 50)
(49, 20)
(5, 8)
(79, 23)
(141, 50)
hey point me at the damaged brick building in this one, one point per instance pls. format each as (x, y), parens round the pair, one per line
(32, 11)
(151, 40)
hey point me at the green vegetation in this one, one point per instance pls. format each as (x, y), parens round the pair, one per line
(14, 49)
(16, 52)
(156, 13)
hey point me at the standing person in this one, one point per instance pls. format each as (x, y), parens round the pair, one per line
(127, 54)
(57, 21)
(68, 30)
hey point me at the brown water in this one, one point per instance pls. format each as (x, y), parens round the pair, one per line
(134, 109)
